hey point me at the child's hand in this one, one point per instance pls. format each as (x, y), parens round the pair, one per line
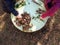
(19, 16)
(42, 19)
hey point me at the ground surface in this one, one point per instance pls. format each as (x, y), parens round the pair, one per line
(9, 35)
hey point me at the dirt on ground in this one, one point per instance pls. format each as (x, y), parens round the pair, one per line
(48, 35)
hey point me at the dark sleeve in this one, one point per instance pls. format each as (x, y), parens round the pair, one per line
(10, 7)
